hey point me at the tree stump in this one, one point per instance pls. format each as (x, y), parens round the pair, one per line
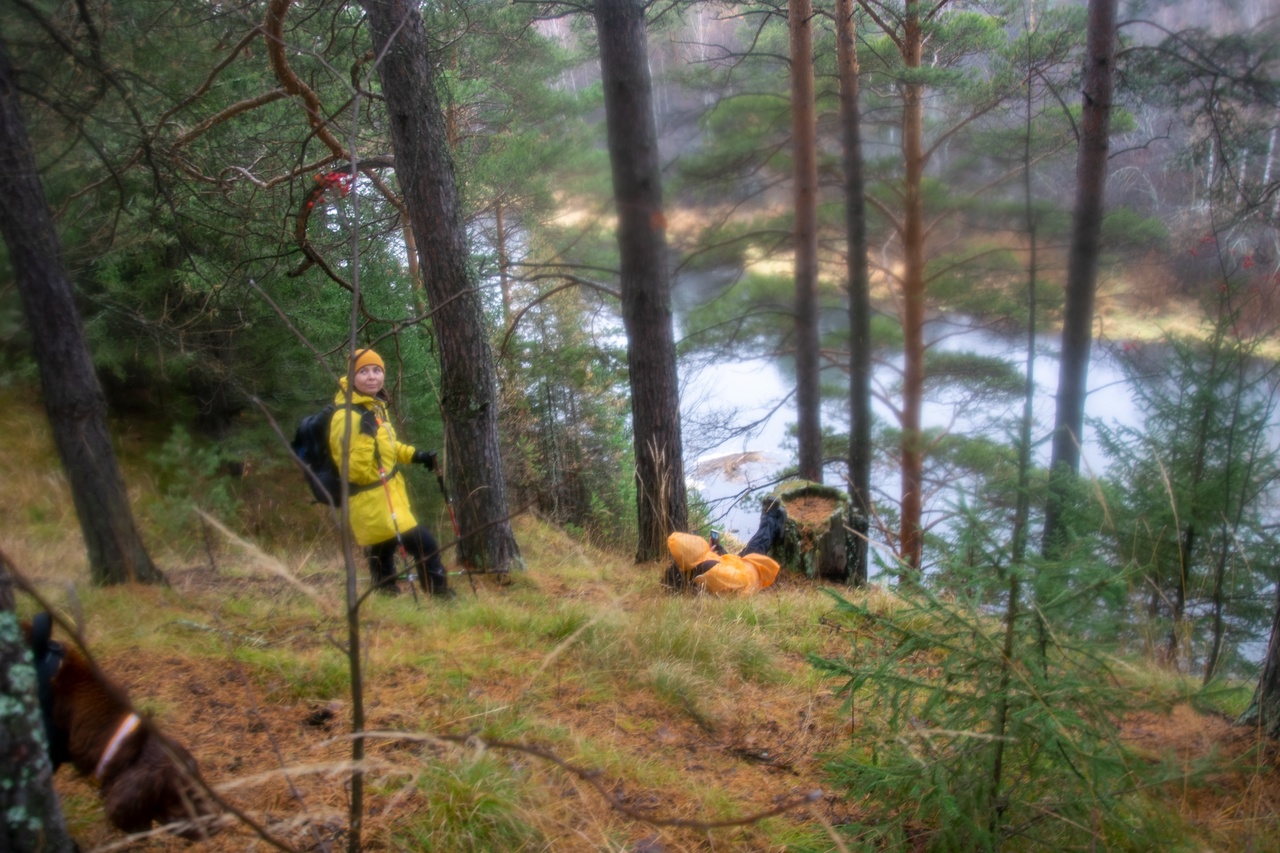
(819, 539)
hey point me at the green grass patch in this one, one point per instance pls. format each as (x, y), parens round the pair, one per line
(471, 804)
(286, 676)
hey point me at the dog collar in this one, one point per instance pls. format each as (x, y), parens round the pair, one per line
(126, 728)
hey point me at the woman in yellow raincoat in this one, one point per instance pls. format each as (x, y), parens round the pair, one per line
(381, 517)
(705, 566)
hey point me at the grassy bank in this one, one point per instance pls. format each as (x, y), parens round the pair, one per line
(577, 708)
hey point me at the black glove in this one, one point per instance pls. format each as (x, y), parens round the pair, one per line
(425, 457)
(369, 423)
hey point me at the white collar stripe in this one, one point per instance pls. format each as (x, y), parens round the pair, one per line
(126, 728)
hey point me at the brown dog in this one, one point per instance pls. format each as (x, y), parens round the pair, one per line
(145, 777)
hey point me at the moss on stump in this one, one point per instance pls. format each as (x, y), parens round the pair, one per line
(819, 541)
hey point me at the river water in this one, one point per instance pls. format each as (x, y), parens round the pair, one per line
(731, 472)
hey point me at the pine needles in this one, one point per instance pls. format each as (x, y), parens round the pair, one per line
(964, 742)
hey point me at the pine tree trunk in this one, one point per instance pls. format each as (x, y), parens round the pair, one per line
(859, 288)
(911, 535)
(804, 144)
(1022, 508)
(1082, 266)
(504, 262)
(1178, 605)
(1264, 710)
(33, 818)
(73, 398)
(468, 388)
(645, 281)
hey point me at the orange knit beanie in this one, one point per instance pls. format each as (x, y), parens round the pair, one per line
(365, 357)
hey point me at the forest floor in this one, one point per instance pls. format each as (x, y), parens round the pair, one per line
(1241, 788)
(281, 757)
(276, 749)
(675, 721)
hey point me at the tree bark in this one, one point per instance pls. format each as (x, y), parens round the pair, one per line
(1082, 267)
(859, 287)
(468, 388)
(1264, 711)
(911, 534)
(504, 262)
(33, 821)
(645, 281)
(818, 539)
(804, 144)
(73, 398)
(1022, 509)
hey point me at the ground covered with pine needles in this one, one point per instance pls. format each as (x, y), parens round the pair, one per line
(577, 708)
(680, 709)
(696, 710)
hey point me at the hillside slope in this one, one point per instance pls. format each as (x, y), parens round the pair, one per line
(621, 702)
(695, 709)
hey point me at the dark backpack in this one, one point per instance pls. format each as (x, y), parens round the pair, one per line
(311, 446)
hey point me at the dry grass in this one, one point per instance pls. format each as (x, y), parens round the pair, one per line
(581, 656)
(240, 667)
(693, 708)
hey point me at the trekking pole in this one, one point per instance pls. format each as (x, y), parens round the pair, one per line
(457, 531)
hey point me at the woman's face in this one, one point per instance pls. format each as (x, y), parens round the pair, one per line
(369, 379)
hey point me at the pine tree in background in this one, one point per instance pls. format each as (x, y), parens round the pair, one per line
(645, 284)
(1190, 488)
(73, 397)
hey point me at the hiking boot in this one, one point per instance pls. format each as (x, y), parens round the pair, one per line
(437, 583)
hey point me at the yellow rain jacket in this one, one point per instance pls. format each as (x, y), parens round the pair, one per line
(371, 514)
(730, 574)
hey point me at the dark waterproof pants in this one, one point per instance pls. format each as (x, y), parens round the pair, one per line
(769, 533)
(424, 554)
